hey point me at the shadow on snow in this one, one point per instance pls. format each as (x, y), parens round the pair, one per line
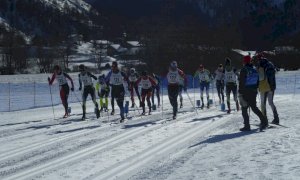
(77, 129)
(223, 137)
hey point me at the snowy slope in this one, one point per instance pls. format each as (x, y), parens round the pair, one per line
(207, 145)
(79, 5)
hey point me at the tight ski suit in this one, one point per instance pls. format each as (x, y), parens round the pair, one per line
(85, 78)
(231, 86)
(61, 78)
(146, 83)
(102, 89)
(173, 78)
(116, 79)
(132, 79)
(219, 77)
(156, 89)
(204, 80)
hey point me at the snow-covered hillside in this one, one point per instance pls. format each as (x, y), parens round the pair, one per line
(207, 145)
(78, 5)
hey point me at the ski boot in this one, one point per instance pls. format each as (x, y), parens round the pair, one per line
(143, 113)
(112, 112)
(181, 105)
(245, 128)
(83, 117)
(207, 106)
(101, 109)
(66, 115)
(132, 106)
(122, 119)
(276, 120)
(202, 106)
(228, 111)
(97, 112)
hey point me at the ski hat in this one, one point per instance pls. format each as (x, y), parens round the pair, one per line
(227, 61)
(114, 64)
(81, 67)
(247, 59)
(56, 67)
(144, 73)
(220, 65)
(173, 64)
(132, 70)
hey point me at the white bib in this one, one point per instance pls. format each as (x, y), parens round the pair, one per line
(61, 79)
(116, 78)
(203, 76)
(132, 78)
(230, 76)
(219, 75)
(86, 79)
(173, 77)
(145, 83)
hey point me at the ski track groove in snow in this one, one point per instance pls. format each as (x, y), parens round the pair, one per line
(39, 145)
(79, 155)
(124, 168)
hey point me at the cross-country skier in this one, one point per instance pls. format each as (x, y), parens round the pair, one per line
(173, 78)
(267, 85)
(61, 78)
(248, 84)
(103, 89)
(132, 78)
(146, 83)
(85, 78)
(204, 80)
(116, 80)
(219, 77)
(156, 89)
(231, 77)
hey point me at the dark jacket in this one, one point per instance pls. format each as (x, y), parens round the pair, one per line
(243, 87)
(270, 72)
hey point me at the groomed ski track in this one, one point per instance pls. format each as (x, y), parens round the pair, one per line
(45, 158)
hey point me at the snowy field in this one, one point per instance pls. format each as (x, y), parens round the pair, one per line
(207, 145)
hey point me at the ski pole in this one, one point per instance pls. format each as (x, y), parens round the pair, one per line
(78, 100)
(52, 102)
(191, 102)
(162, 100)
(194, 89)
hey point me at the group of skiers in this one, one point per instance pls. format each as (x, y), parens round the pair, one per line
(254, 75)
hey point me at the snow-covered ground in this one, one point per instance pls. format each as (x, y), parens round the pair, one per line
(207, 145)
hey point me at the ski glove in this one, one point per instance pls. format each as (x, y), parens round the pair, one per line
(72, 89)
(98, 93)
(49, 80)
(80, 89)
